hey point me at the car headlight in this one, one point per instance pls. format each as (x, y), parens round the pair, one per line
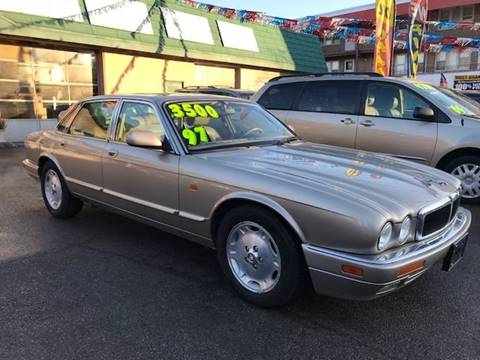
(405, 230)
(385, 236)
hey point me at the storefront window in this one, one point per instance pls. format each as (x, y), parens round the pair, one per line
(40, 83)
(400, 65)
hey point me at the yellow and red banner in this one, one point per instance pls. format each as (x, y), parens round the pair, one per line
(385, 27)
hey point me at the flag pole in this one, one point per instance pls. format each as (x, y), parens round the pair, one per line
(394, 27)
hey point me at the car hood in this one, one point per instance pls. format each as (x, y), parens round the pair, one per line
(381, 182)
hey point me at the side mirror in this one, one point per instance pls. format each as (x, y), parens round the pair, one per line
(144, 139)
(424, 113)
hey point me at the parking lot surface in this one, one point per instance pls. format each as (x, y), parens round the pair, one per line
(100, 286)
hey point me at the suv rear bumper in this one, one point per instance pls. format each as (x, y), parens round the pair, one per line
(380, 272)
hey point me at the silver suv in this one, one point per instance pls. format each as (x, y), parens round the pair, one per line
(399, 117)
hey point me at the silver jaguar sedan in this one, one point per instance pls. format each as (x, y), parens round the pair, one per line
(281, 213)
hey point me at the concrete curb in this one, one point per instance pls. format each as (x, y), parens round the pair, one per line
(10, 145)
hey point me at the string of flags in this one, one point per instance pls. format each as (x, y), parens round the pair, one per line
(355, 30)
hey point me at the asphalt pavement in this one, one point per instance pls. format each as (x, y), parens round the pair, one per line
(100, 286)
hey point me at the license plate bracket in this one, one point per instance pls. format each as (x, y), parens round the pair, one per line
(455, 254)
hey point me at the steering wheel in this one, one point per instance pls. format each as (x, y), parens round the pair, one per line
(254, 130)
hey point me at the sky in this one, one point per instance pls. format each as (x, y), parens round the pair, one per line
(289, 8)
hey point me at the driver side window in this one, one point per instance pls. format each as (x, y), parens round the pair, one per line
(391, 101)
(137, 116)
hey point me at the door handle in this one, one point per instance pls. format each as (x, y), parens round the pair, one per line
(367, 123)
(112, 153)
(347, 121)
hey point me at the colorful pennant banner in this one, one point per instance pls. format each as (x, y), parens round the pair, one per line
(356, 30)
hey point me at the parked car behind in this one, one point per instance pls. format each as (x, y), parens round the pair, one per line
(404, 118)
(227, 174)
(214, 90)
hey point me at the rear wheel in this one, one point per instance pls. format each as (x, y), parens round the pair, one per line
(259, 255)
(467, 170)
(58, 199)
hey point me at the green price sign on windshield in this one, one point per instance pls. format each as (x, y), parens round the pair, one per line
(182, 110)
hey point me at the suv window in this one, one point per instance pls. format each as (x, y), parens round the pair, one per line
(93, 119)
(388, 100)
(338, 97)
(137, 116)
(280, 97)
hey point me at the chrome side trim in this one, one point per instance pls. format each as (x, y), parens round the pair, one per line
(27, 164)
(141, 202)
(83, 183)
(193, 217)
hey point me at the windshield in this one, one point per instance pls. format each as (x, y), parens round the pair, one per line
(219, 123)
(457, 103)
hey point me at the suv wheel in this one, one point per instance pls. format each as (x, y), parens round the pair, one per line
(467, 169)
(260, 257)
(58, 199)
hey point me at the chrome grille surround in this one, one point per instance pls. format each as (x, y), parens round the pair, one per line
(452, 201)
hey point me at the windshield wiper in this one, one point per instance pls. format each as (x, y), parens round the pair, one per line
(287, 140)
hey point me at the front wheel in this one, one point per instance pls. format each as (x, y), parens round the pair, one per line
(467, 170)
(58, 199)
(259, 255)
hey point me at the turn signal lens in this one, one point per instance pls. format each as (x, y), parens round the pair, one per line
(405, 230)
(411, 268)
(385, 236)
(349, 269)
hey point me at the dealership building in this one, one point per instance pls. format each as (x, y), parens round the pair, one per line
(54, 53)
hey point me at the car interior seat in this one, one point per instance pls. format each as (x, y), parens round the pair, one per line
(369, 106)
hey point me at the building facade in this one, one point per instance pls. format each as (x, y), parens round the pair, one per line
(347, 56)
(55, 53)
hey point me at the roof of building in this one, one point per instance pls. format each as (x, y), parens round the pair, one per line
(277, 49)
(368, 11)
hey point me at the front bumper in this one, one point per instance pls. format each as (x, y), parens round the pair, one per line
(380, 272)
(30, 168)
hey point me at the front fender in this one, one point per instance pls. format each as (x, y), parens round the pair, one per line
(261, 200)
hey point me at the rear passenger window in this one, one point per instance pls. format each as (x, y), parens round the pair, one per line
(280, 97)
(93, 119)
(338, 97)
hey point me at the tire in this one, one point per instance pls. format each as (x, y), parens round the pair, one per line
(274, 272)
(467, 169)
(58, 199)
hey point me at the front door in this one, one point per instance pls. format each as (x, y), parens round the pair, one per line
(326, 112)
(81, 147)
(387, 124)
(138, 180)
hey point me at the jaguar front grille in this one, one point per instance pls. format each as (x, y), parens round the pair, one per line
(437, 217)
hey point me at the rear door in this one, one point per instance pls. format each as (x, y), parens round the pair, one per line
(80, 150)
(387, 124)
(326, 112)
(279, 99)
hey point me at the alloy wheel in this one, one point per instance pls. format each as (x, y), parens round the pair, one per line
(253, 257)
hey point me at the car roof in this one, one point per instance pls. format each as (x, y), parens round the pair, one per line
(334, 76)
(161, 98)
